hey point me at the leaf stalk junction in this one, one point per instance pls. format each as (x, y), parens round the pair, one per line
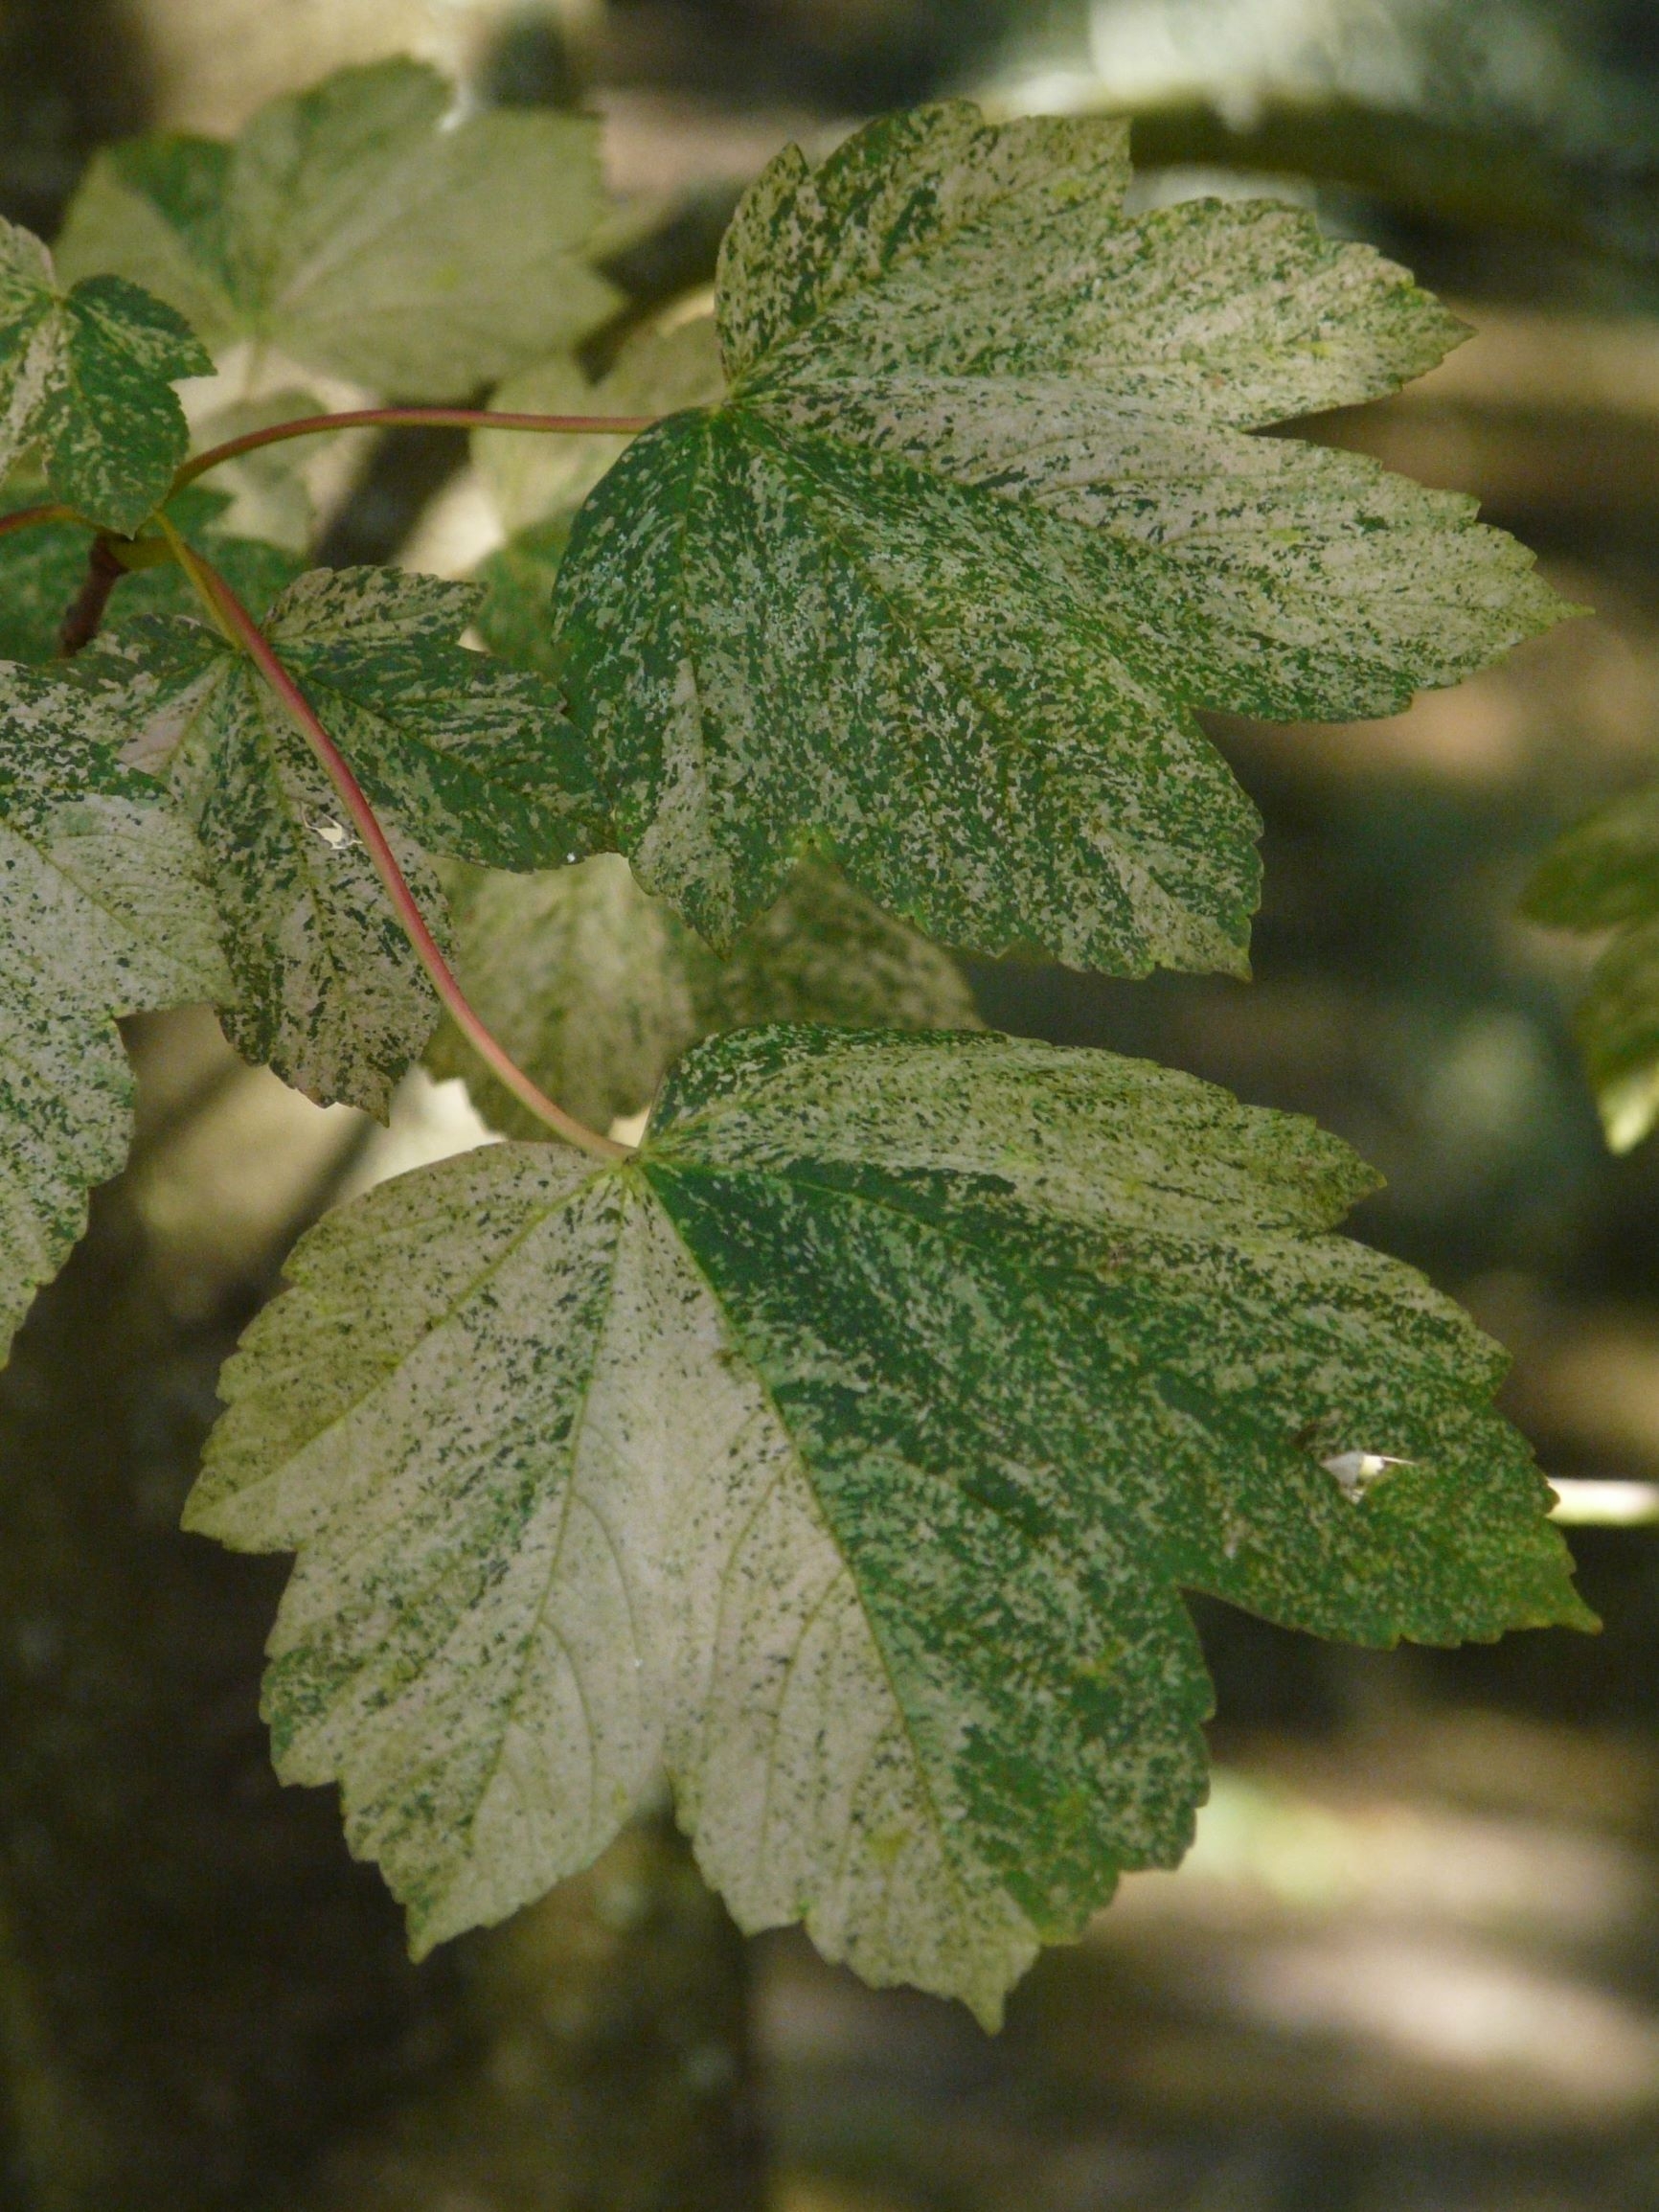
(238, 625)
(111, 558)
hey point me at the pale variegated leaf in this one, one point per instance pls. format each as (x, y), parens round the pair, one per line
(361, 231)
(981, 521)
(105, 911)
(595, 987)
(845, 1451)
(463, 756)
(86, 383)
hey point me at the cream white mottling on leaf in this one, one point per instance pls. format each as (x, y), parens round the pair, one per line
(105, 911)
(86, 384)
(981, 519)
(464, 756)
(844, 1453)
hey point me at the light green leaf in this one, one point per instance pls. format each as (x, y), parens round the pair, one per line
(845, 1451)
(824, 954)
(978, 525)
(661, 369)
(42, 570)
(106, 912)
(515, 619)
(1605, 876)
(595, 989)
(463, 756)
(360, 232)
(86, 383)
(270, 490)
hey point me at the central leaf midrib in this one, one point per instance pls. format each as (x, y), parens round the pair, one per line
(506, 1708)
(943, 1830)
(933, 650)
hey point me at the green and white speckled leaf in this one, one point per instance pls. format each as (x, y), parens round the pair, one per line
(104, 910)
(465, 756)
(360, 232)
(979, 524)
(86, 383)
(42, 569)
(1605, 876)
(845, 1452)
(596, 988)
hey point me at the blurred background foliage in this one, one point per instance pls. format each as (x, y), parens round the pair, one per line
(1413, 1965)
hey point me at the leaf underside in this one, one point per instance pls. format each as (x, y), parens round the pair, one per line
(360, 232)
(845, 1452)
(103, 911)
(595, 989)
(462, 756)
(86, 383)
(977, 526)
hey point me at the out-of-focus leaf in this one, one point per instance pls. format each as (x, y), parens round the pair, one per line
(596, 988)
(531, 477)
(1605, 876)
(362, 231)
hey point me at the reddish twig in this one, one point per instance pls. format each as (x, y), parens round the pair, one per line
(27, 518)
(239, 625)
(80, 625)
(411, 417)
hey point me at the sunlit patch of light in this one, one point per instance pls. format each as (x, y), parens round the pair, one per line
(1585, 1503)
(429, 1120)
(1265, 1854)
(1458, 2006)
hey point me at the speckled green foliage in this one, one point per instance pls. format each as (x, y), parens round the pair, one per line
(356, 229)
(1605, 876)
(595, 987)
(465, 758)
(104, 910)
(86, 383)
(980, 522)
(845, 1451)
(42, 570)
